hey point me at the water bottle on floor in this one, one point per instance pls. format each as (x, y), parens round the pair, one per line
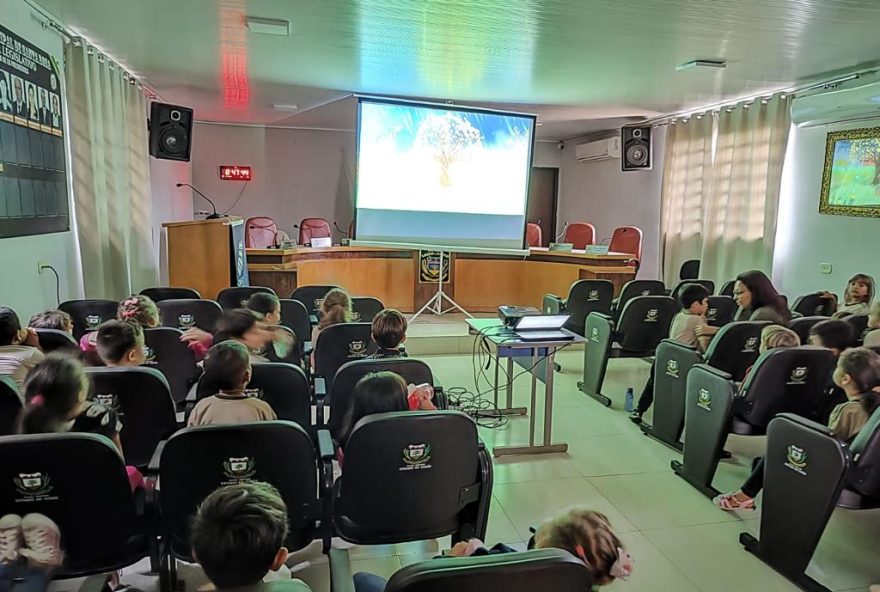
(628, 403)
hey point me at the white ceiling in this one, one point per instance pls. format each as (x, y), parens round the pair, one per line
(571, 61)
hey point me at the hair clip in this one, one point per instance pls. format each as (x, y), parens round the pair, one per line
(37, 400)
(623, 567)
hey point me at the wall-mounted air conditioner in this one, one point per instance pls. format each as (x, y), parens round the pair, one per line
(598, 150)
(849, 100)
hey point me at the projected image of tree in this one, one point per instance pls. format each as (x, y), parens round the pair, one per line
(449, 136)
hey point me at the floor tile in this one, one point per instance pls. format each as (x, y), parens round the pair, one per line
(657, 500)
(652, 571)
(529, 504)
(710, 556)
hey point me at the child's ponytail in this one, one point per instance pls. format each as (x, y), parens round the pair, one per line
(52, 394)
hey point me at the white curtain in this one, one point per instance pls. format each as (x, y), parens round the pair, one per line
(721, 183)
(685, 180)
(739, 228)
(111, 183)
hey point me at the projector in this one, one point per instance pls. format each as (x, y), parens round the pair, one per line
(509, 315)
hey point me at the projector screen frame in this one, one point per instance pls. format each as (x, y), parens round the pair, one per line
(449, 106)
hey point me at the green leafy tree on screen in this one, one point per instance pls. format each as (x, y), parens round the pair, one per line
(448, 135)
(867, 150)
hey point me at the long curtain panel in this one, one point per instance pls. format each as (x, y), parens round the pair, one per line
(739, 228)
(721, 182)
(685, 181)
(111, 184)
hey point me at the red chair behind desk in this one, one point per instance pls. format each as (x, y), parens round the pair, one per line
(580, 234)
(311, 228)
(533, 235)
(627, 239)
(260, 233)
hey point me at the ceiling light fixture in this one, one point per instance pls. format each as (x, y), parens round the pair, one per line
(285, 107)
(266, 26)
(701, 64)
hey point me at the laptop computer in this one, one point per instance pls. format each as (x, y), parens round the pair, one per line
(542, 328)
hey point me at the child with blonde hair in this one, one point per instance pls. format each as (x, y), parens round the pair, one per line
(134, 309)
(872, 337)
(584, 533)
(335, 309)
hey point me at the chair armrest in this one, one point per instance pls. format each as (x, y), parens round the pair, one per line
(153, 467)
(341, 579)
(320, 387)
(326, 449)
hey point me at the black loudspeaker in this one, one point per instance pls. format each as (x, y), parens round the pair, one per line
(636, 144)
(170, 131)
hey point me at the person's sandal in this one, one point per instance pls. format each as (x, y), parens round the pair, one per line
(728, 502)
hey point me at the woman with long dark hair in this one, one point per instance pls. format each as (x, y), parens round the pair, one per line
(757, 300)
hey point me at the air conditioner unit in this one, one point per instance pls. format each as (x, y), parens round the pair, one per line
(598, 150)
(854, 99)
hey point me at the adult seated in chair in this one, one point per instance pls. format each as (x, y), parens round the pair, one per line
(857, 296)
(388, 331)
(238, 536)
(694, 299)
(858, 374)
(757, 300)
(585, 534)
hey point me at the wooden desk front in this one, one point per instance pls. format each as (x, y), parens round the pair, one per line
(479, 283)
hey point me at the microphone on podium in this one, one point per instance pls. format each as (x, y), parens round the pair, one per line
(339, 230)
(213, 216)
(561, 234)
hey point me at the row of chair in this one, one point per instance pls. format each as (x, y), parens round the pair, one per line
(379, 499)
(261, 232)
(625, 239)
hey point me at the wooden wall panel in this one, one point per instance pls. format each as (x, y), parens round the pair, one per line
(389, 280)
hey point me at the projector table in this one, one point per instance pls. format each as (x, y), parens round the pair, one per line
(537, 358)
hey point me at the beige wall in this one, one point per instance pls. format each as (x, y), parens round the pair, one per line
(600, 193)
(297, 173)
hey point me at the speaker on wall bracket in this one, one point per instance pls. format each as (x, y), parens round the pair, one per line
(635, 142)
(170, 131)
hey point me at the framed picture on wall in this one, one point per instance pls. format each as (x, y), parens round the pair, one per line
(851, 177)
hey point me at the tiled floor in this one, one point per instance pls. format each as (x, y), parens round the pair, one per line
(680, 541)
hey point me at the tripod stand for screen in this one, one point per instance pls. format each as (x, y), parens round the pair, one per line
(435, 303)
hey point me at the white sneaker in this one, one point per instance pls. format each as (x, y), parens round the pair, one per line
(10, 538)
(42, 539)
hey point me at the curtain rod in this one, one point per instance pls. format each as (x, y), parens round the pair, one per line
(794, 92)
(49, 21)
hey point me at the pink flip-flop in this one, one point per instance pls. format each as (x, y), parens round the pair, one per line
(728, 502)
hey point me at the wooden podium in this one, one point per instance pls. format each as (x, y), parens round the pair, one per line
(206, 255)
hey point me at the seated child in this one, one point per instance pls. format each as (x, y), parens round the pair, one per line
(584, 533)
(120, 344)
(773, 336)
(694, 300)
(228, 369)
(335, 309)
(384, 392)
(52, 319)
(872, 337)
(247, 328)
(134, 309)
(19, 348)
(858, 375)
(269, 307)
(238, 535)
(389, 333)
(857, 296)
(832, 334)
